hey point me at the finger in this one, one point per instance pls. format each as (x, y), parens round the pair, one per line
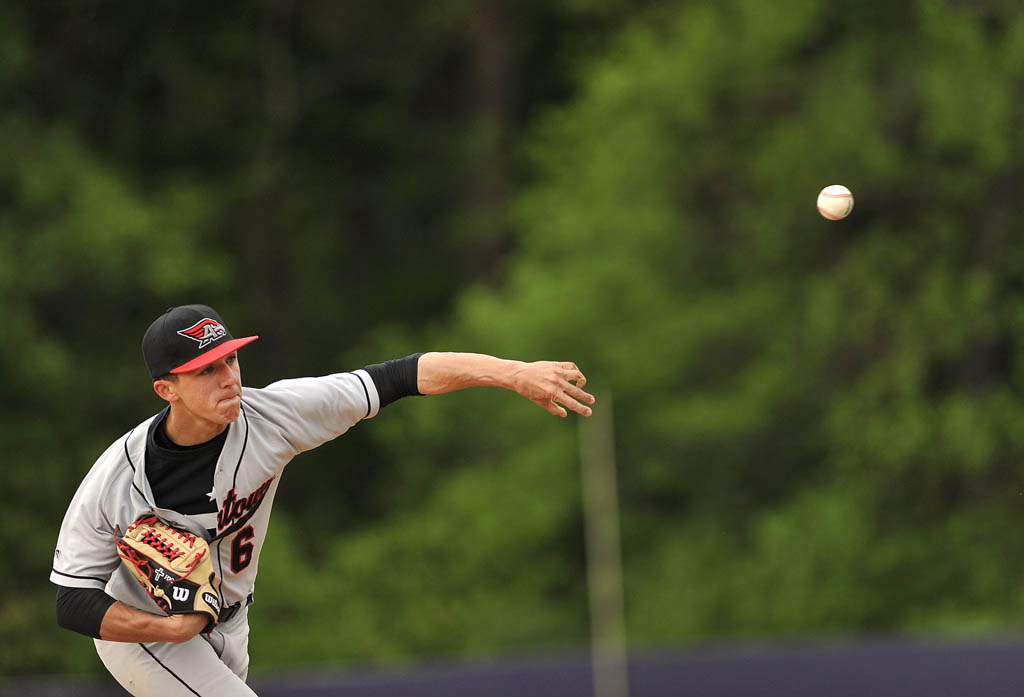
(575, 392)
(575, 377)
(551, 407)
(569, 402)
(574, 374)
(581, 409)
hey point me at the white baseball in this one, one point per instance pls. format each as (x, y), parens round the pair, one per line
(835, 202)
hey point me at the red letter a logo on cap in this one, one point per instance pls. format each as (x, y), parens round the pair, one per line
(204, 331)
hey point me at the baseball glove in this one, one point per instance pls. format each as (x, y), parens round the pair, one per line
(174, 567)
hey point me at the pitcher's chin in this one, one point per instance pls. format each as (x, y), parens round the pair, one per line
(230, 410)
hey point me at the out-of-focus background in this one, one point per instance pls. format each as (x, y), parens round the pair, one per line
(818, 426)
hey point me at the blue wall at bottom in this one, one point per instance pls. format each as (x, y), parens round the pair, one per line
(991, 668)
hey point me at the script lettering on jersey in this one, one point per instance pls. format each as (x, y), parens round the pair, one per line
(235, 510)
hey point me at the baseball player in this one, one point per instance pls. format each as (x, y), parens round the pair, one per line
(209, 465)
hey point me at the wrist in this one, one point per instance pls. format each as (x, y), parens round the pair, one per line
(181, 628)
(516, 375)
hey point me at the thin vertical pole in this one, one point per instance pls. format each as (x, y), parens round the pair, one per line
(604, 564)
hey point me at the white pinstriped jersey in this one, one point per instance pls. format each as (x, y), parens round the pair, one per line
(276, 423)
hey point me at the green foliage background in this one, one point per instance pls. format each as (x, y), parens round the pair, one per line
(818, 425)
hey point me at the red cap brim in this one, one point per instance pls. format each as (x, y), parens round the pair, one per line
(216, 353)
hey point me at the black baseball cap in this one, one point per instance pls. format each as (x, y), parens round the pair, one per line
(186, 338)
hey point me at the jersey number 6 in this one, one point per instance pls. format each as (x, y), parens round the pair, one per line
(241, 549)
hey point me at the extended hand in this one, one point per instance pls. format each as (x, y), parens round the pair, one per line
(550, 384)
(547, 383)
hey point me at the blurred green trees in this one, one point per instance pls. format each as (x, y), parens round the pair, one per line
(79, 262)
(818, 424)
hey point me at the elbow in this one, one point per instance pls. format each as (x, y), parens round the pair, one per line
(82, 609)
(63, 615)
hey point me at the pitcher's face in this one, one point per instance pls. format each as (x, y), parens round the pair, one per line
(211, 394)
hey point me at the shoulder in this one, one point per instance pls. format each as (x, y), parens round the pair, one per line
(117, 456)
(353, 384)
(334, 401)
(120, 459)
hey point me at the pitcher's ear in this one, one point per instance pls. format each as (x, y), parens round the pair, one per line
(166, 388)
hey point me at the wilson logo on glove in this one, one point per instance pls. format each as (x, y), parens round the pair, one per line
(212, 600)
(173, 566)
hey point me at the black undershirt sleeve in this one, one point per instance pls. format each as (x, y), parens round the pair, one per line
(82, 609)
(396, 378)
